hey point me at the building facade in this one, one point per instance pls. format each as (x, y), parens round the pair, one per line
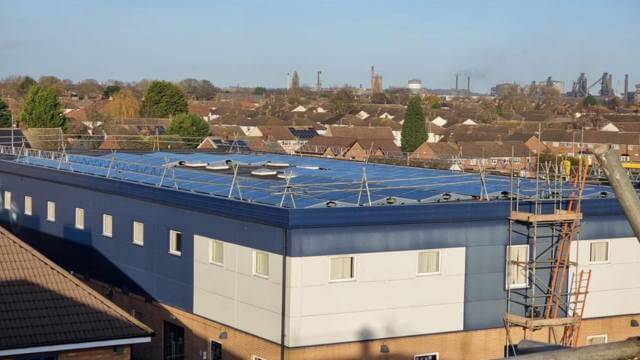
(216, 276)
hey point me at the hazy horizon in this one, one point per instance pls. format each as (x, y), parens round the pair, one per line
(256, 43)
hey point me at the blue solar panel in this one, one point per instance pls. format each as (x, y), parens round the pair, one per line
(316, 182)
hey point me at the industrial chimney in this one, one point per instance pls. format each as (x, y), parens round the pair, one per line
(468, 85)
(626, 88)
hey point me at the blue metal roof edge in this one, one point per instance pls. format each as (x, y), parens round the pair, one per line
(454, 211)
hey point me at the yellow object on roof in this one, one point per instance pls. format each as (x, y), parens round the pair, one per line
(631, 165)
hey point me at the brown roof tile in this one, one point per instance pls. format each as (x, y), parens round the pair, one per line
(41, 304)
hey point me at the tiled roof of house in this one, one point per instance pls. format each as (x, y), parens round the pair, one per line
(319, 144)
(41, 304)
(276, 133)
(491, 149)
(362, 132)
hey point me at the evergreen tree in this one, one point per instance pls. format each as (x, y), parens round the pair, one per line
(42, 109)
(190, 127)
(163, 99)
(414, 132)
(5, 115)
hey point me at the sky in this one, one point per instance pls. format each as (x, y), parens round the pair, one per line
(257, 42)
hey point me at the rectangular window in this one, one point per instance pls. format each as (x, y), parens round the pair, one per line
(431, 356)
(429, 262)
(343, 268)
(517, 259)
(216, 252)
(80, 218)
(599, 252)
(261, 263)
(138, 233)
(28, 205)
(597, 339)
(107, 225)
(7, 200)
(175, 242)
(51, 211)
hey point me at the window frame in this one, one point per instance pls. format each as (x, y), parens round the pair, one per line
(590, 337)
(506, 273)
(6, 199)
(608, 253)
(134, 240)
(173, 236)
(212, 243)
(353, 269)
(51, 211)
(439, 272)
(104, 233)
(28, 210)
(437, 354)
(79, 212)
(255, 263)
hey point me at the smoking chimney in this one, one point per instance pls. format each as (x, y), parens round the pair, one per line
(468, 85)
(456, 84)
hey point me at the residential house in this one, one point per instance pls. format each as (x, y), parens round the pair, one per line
(283, 136)
(47, 313)
(574, 142)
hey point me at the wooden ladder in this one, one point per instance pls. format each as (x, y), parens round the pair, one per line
(576, 307)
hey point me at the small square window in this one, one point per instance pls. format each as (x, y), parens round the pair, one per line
(7, 200)
(216, 252)
(138, 233)
(51, 211)
(429, 262)
(107, 225)
(343, 268)
(597, 339)
(517, 266)
(175, 242)
(598, 252)
(261, 263)
(80, 218)
(28, 205)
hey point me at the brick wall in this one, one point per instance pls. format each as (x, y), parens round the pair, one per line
(106, 353)
(469, 345)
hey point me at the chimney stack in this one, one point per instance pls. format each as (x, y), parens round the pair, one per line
(468, 85)
(626, 88)
(456, 83)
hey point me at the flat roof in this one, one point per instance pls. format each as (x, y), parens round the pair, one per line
(293, 181)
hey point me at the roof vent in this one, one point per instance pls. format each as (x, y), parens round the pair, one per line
(446, 196)
(391, 200)
(604, 194)
(331, 204)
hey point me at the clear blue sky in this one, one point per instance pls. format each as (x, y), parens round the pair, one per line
(256, 42)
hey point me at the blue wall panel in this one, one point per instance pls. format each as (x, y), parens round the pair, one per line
(163, 276)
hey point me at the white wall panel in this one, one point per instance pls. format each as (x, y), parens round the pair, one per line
(615, 285)
(232, 295)
(386, 299)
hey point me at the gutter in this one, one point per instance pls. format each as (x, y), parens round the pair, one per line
(285, 239)
(75, 346)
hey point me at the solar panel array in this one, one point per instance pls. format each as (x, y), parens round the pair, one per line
(301, 182)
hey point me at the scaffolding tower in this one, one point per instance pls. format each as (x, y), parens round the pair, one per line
(544, 288)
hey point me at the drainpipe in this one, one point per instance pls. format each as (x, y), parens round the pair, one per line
(625, 193)
(285, 241)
